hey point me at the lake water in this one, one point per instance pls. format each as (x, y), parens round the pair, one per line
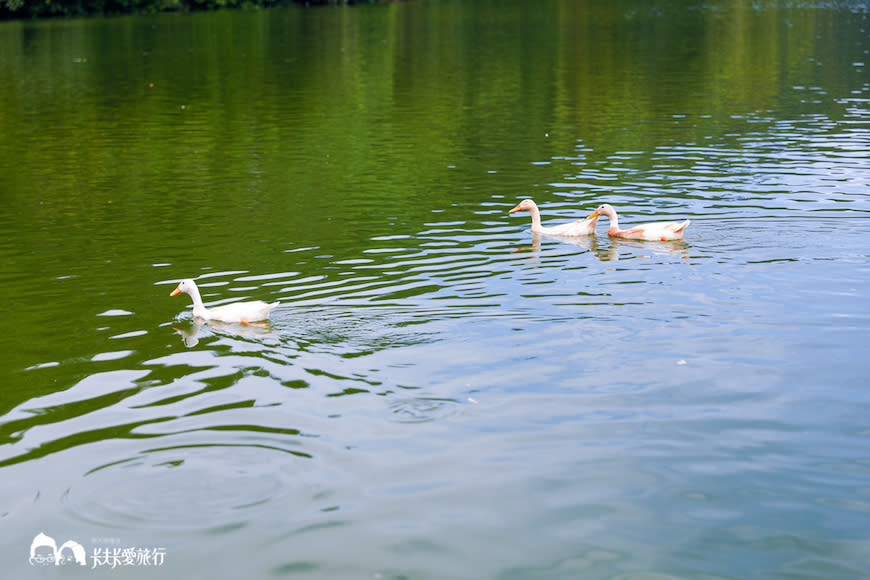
(440, 394)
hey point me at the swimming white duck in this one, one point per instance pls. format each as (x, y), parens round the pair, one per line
(660, 231)
(237, 312)
(582, 227)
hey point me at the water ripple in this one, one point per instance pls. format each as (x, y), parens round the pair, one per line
(229, 481)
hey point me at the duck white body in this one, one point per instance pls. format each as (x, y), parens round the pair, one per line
(657, 231)
(237, 312)
(582, 227)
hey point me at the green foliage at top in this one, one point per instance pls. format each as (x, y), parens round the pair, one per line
(46, 8)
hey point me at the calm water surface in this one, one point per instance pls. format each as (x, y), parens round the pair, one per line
(441, 394)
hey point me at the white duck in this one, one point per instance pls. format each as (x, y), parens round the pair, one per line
(583, 227)
(659, 231)
(237, 312)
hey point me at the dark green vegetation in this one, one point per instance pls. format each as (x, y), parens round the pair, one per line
(45, 8)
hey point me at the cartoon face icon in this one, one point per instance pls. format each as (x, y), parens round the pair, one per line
(72, 553)
(43, 550)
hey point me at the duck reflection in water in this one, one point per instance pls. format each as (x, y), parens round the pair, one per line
(191, 330)
(616, 247)
(584, 243)
(637, 249)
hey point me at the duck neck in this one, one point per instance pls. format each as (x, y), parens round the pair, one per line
(536, 218)
(614, 221)
(198, 306)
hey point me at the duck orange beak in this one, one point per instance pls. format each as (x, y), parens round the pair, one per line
(176, 292)
(516, 209)
(592, 215)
